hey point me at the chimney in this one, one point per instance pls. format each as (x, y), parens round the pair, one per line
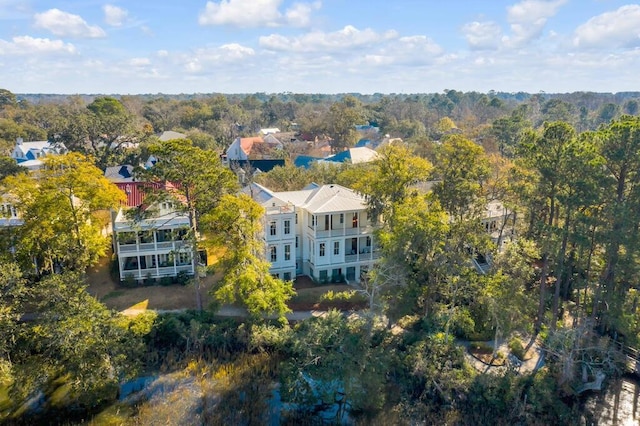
(19, 141)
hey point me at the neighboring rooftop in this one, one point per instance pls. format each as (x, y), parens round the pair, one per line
(269, 131)
(353, 155)
(168, 135)
(119, 174)
(26, 151)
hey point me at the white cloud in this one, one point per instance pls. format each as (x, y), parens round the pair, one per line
(139, 62)
(63, 24)
(234, 51)
(256, 13)
(415, 48)
(405, 51)
(482, 35)
(528, 18)
(619, 28)
(299, 15)
(204, 59)
(27, 45)
(114, 15)
(347, 38)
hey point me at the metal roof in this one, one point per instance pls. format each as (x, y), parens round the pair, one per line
(325, 199)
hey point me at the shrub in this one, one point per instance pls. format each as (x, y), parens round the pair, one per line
(114, 268)
(129, 281)
(166, 281)
(462, 324)
(481, 347)
(516, 348)
(182, 278)
(149, 281)
(338, 295)
(337, 278)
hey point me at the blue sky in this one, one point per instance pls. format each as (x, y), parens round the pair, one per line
(318, 46)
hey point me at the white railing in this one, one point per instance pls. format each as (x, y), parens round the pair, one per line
(141, 274)
(164, 245)
(362, 257)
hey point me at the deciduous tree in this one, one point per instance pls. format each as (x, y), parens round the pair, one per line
(198, 182)
(65, 209)
(235, 226)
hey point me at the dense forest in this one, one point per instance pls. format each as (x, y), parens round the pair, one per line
(567, 167)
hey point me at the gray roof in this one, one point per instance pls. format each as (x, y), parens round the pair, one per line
(119, 174)
(325, 199)
(168, 135)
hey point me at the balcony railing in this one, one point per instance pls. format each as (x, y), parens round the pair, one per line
(362, 257)
(363, 230)
(163, 245)
(169, 271)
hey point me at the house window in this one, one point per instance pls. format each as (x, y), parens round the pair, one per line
(273, 253)
(351, 273)
(354, 220)
(287, 252)
(8, 210)
(323, 276)
(368, 241)
(130, 263)
(336, 275)
(336, 248)
(272, 228)
(296, 241)
(313, 221)
(296, 218)
(287, 227)
(321, 249)
(326, 222)
(341, 218)
(287, 276)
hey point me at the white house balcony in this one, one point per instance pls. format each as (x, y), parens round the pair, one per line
(152, 247)
(141, 266)
(342, 232)
(172, 271)
(339, 224)
(365, 256)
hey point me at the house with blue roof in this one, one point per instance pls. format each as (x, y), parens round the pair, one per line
(305, 161)
(29, 154)
(353, 156)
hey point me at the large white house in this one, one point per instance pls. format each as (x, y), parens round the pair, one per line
(153, 247)
(321, 231)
